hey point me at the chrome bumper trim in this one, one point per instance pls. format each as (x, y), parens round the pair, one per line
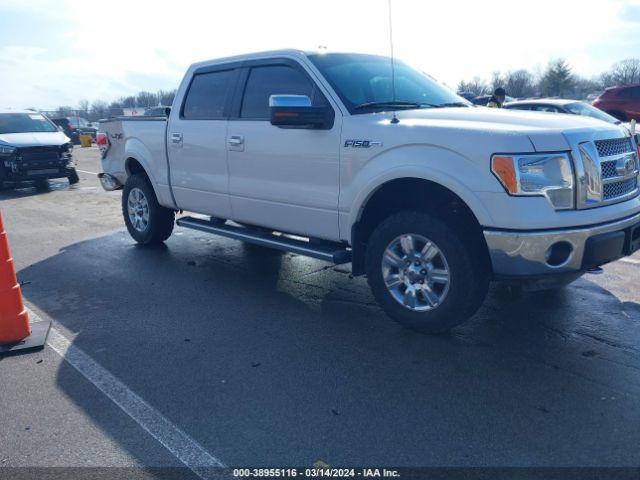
(522, 253)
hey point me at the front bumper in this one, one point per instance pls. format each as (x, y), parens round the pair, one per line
(37, 174)
(522, 254)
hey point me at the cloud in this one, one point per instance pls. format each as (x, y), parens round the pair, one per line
(630, 12)
(126, 46)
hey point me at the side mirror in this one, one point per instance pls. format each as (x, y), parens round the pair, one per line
(295, 111)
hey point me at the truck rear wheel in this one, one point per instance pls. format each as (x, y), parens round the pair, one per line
(147, 221)
(423, 273)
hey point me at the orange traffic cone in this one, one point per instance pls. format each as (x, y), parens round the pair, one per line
(15, 331)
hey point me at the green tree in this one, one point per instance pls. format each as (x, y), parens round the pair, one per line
(557, 80)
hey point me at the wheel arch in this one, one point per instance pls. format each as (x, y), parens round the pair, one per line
(415, 193)
(133, 166)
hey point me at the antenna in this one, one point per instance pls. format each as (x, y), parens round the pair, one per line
(393, 64)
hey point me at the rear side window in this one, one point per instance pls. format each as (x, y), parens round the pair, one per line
(633, 92)
(274, 80)
(208, 95)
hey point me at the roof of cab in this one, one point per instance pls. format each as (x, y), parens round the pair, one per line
(290, 52)
(16, 110)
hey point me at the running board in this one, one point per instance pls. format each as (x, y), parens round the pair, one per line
(324, 251)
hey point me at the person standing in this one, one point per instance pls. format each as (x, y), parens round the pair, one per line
(497, 99)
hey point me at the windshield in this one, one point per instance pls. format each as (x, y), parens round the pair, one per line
(25, 123)
(581, 108)
(364, 83)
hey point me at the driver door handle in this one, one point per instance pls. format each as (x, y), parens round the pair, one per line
(236, 143)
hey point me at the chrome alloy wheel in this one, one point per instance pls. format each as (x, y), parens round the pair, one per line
(415, 272)
(138, 209)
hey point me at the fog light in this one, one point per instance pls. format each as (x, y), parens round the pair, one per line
(558, 254)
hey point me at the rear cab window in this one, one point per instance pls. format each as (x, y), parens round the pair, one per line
(208, 95)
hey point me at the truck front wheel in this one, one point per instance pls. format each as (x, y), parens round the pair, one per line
(423, 273)
(147, 221)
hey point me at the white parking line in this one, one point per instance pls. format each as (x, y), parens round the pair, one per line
(630, 260)
(84, 171)
(172, 437)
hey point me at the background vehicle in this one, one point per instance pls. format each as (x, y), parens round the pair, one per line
(33, 149)
(620, 102)
(428, 197)
(159, 111)
(557, 105)
(571, 107)
(482, 100)
(73, 127)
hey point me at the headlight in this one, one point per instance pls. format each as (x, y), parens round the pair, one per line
(549, 175)
(7, 150)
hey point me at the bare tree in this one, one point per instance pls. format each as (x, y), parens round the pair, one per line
(166, 97)
(520, 84)
(98, 110)
(83, 106)
(146, 99)
(624, 72)
(476, 87)
(497, 80)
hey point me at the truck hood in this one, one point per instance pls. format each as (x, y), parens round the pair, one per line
(34, 139)
(546, 131)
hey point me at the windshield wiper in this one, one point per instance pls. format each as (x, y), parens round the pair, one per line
(453, 104)
(394, 104)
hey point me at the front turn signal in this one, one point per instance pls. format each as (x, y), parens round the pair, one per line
(503, 168)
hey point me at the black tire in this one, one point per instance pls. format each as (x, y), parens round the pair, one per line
(468, 274)
(73, 177)
(42, 184)
(160, 219)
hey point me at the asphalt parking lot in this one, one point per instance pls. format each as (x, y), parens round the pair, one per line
(269, 359)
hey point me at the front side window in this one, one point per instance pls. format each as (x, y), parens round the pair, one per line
(208, 94)
(363, 82)
(25, 123)
(274, 80)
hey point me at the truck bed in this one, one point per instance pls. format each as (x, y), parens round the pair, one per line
(142, 138)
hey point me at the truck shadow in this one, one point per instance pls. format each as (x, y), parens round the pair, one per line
(242, 346)
(29, 189)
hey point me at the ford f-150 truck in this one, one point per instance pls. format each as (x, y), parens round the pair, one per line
(430, 197)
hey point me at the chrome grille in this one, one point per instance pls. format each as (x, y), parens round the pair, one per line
(614, 146)
(609, 169)
(619, 189)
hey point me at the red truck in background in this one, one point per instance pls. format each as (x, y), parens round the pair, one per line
(621, 102)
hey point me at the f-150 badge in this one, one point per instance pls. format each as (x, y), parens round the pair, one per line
(361, 143)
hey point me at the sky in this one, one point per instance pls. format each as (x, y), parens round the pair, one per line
(59, 52)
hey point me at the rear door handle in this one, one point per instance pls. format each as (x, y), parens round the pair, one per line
(176, 137)
(236, 140)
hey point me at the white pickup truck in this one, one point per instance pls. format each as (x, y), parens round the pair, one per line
(429, 196)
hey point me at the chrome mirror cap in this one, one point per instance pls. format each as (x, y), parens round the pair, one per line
(289, 101)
